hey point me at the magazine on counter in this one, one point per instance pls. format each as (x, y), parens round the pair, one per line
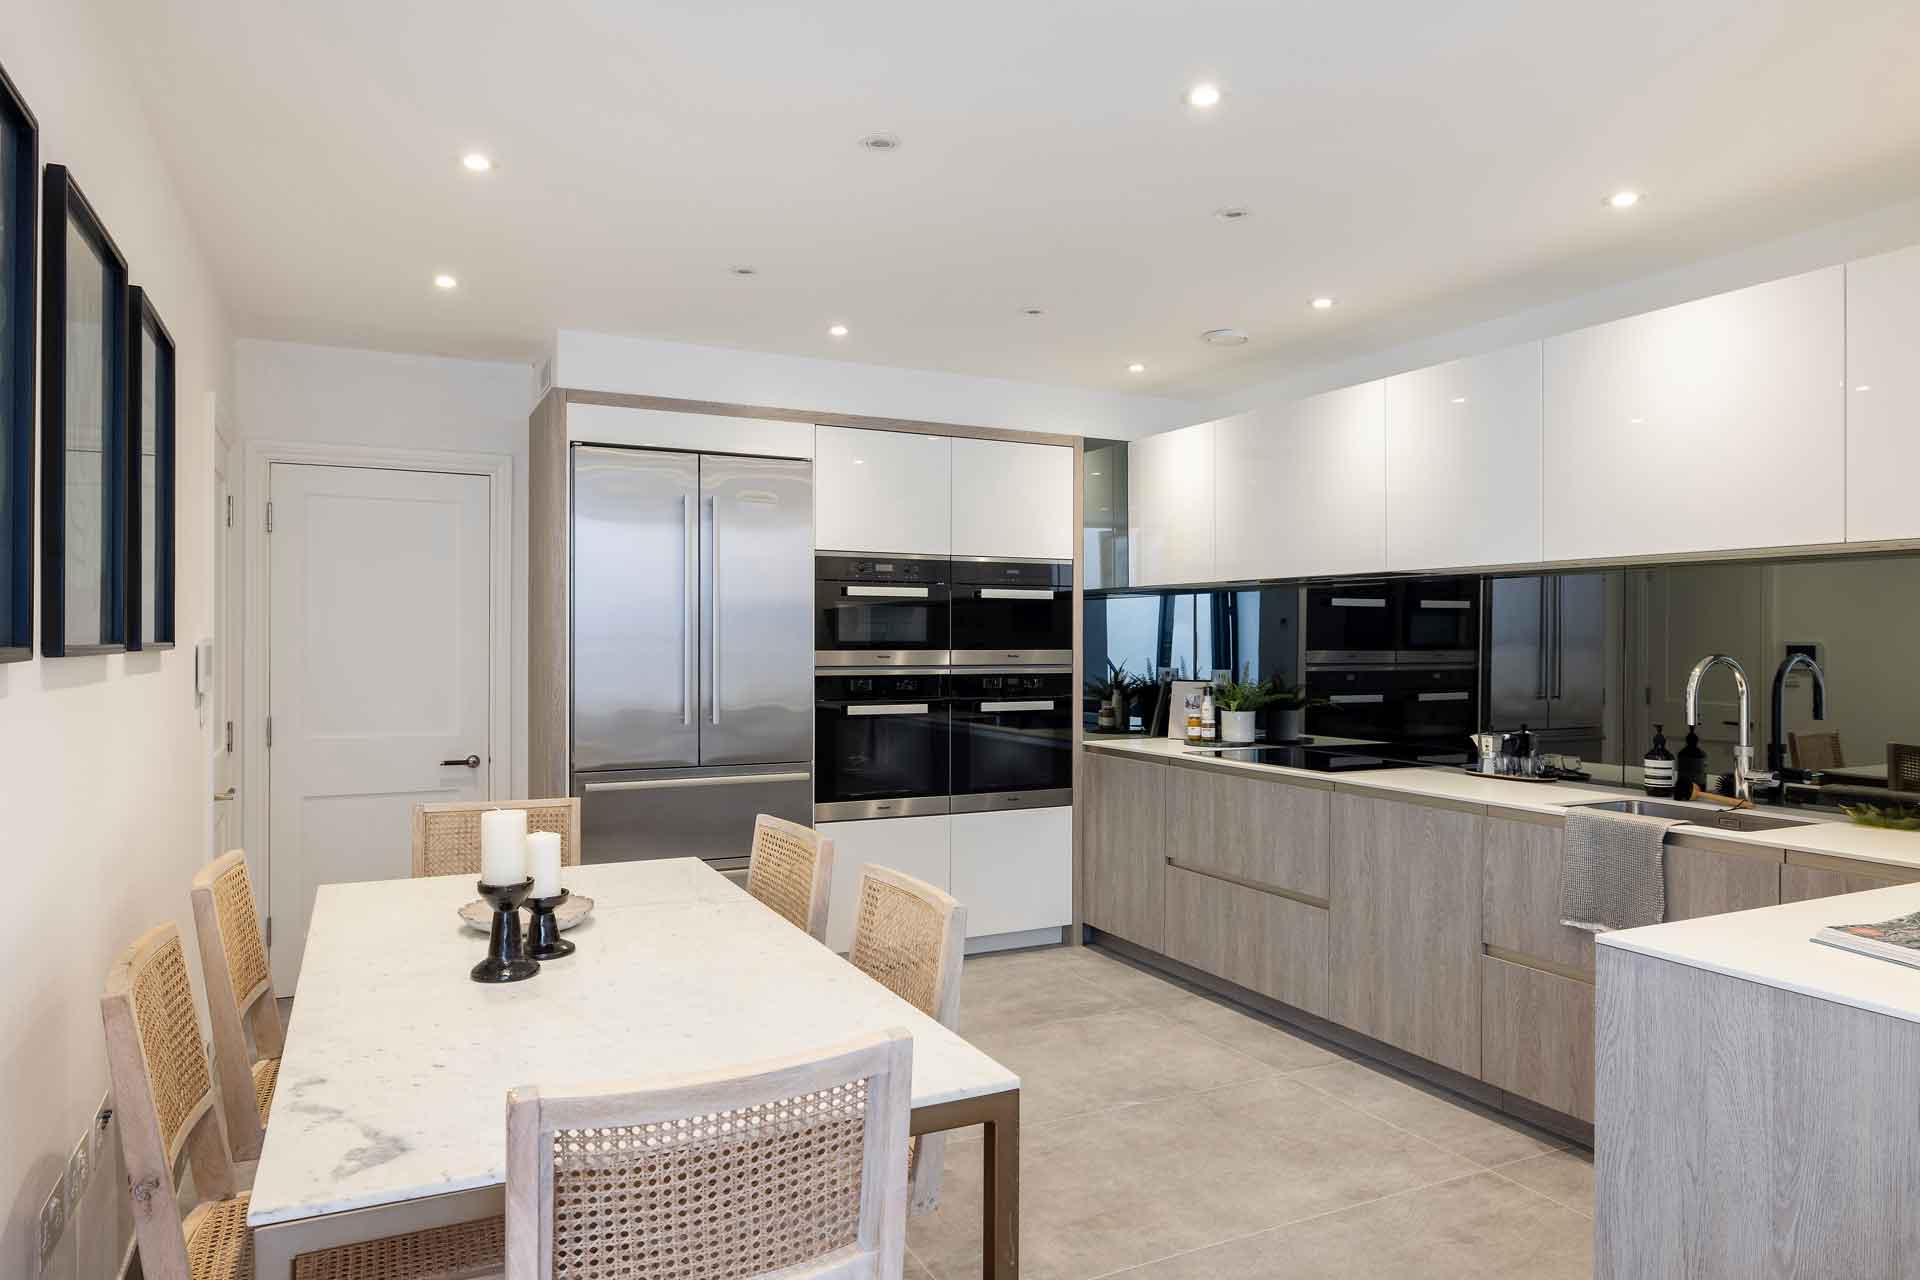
(1897, 940)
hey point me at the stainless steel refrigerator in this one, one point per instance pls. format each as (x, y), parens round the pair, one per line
(692, 650)
(1546, 665)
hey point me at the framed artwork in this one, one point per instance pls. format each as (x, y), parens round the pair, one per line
(84, 446)
(19, 202)
(150, 476)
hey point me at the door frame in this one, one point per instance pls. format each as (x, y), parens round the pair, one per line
(261, 456)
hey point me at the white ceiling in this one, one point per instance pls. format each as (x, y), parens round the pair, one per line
(1429, 163)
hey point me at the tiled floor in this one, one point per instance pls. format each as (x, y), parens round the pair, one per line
(1169, 1136)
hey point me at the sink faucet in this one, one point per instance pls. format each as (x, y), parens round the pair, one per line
(1776, 754)
(1743, 754)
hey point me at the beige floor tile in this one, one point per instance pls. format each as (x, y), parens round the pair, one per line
(1462, 1127)
(1110, 1060)
(1116, 1188)
(1249, 1033)
(1123, 978)
(1023, 988)
(1565, 1177)
(1474, 1228)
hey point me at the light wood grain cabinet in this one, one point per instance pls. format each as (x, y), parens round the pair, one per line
(1804, 877)
(1706, 879)
(1405, 947)
(1521, 897)
(1273, 945)
(1537, 1035)
(1124, 851)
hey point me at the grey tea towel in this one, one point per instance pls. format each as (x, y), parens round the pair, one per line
(1615, 871)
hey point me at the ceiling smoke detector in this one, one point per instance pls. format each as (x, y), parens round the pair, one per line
(1232, 213)
(881, 142)
(1033, 311)
(1225, 337)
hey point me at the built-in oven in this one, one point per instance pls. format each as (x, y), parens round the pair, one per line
(881, 611)
(881, 745)
(1359, 703)
(1439, 621)
(1352, 622)
(1012, 612)
(1439, 704)
(1012, 740)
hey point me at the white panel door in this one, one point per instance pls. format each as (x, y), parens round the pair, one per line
(1713, 425)
(1302, 489)
(1012, 501)
(1883, 396)
(379, 659)
(222, 767)
(1170, 507)
(1013, 869)
(886, 491)
(920, 847)
(1463, 462)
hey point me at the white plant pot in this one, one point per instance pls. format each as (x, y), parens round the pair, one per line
(1236, 726)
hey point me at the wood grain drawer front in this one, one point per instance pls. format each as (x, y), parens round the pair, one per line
(1271, 833)
(1802, 884)
(1263, 942)
(1707, 882)
(1125, 851)
(1537, 1031)
(1521, 903)
(1190, 812)
(1404, 954)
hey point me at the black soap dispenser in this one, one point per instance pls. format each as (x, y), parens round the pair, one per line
(1690, 770)
(1658, 770)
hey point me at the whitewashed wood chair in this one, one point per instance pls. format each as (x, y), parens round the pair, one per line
(164, 1102)
(446, 837)
(795, 1169)
(791, 870)
(247, 1032)
(908, 936)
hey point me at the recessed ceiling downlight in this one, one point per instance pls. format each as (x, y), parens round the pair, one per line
(1135, 367)
(837, 330)
(1204, 95)
(1225, 337)
(1322, 304)
(881, 142)
(477, 162)
(1623, 199)
(445, 281)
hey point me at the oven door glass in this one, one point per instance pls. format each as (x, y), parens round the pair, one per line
(1012, 733)
(866, 618)
(992, 623)
(880, 746)
(1365, 705)
(1352, 623)
(1440, 705)
(1440, 619)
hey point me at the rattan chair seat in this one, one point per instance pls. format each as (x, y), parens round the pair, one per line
(266, 1073)
(220, 1247)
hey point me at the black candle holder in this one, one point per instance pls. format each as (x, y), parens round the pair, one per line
(546, 943)
(507, 959)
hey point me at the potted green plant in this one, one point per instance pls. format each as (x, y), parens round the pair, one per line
(1287, 713)
(1237, 701)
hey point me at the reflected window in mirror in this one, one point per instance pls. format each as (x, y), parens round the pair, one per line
(84, 460)
(18, 162)
(151, 485)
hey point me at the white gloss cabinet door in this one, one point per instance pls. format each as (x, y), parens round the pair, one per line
(1301, 489)
(1883, 396)
(885, 491)
(1170, 507)
(919, 847)
(1012, 501)
(1463, 462)
(1013, 869)
(1713, 425)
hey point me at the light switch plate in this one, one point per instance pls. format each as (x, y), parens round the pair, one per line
(52, 1223)
(80, 1167)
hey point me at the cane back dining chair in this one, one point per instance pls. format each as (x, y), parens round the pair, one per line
(247, 1032)
(794, 1168)
(791, 871)
(908, 936)
(1815, 751)
(164, 1100)
(446, 837)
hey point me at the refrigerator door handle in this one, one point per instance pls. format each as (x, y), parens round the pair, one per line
(1540, 640)
(675, 784)
(713, 592)
(1559, 658)
(688, 609)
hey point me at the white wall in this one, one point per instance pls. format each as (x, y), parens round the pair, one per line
(293, 393)
(646, 366)
(103, 760)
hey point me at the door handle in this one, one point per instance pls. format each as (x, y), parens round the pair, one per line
(888, 709)
(1017, 706)
(888, 593)
(1343, 699)
(228, 794)
(471, 762)
(691, 542)
(681, 784)
(1016, 593)
(713, 579)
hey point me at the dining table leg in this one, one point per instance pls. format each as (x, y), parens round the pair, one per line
(1000, 1188)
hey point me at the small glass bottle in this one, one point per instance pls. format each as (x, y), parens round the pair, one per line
(1657, 770)
(1193, 721)
(1209, 719)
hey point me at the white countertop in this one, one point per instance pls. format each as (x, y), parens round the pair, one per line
(394, 1080)
(1772, 946)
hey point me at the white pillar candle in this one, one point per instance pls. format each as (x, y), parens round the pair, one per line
(543, 863)
(503, 846)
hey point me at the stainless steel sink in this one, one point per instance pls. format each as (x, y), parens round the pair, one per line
(1702, 815)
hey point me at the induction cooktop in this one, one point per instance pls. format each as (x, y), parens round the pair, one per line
(1343, 758)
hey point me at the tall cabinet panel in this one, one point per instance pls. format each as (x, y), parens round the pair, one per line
(1170, 494)
(1713, 425)
(1883, 396)
(1012, 501)
(1300, 490)
(885, 491)
(1463, 462)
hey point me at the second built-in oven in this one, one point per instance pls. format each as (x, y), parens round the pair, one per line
(881, 745)
(881, 611)
(1012, 740)
(1352, 623)
(1012, 612)
(1440, 621)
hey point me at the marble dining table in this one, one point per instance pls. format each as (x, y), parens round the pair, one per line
(390, 1111)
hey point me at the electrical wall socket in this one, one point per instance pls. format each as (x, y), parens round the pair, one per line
(80, 1167)
(53, 1222)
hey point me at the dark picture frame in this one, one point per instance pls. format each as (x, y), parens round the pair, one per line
(19, 213)
(67, 215)
(150, 382)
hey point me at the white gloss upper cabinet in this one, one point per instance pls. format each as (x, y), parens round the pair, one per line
(1301, 489)
(1883, 396)
(886, 491)
(1463, 462)
(1012, 501)
(1170, 507)
(1712, 425)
